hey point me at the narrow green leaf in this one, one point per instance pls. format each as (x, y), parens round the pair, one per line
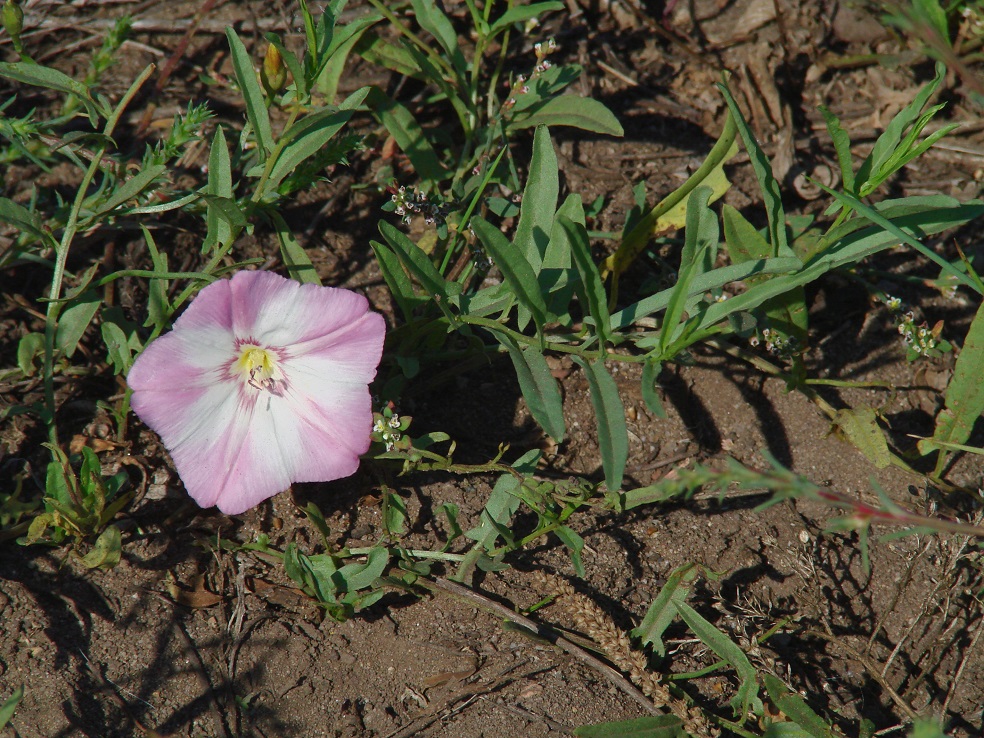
(661, 726)
(417, 262)
(433, 20)
(965, 392)
(342, 43)
(796, 709)
(842, 145)
(516, 270)
(539, 200)
(130, 189)
(650, 375)
(771, 195)
(10, 705)
(310, 135)
(662, 611)
(249, 85)
(594, 294)
(40, 76)
(295, 258)
(117, 347)
(613, 435)
(409, 136)
(887, 143)
(219, 228)
(396, 279)
(20, 218)
(726, 649)
(701, 237)
(574, 544)
(381, 52)
(539, 388)
(523, 13)
(574, 111)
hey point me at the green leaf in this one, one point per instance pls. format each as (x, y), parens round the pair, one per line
(498, 511)
(521, 14)
(397, 280)
(873, 169)
(74, 320)
(381, 52)
(964, 402)
(130, 189)
(433, 20)
(726, 649)
(650, 375)
(10, 705)
(420, 266)
(342, 43)
(117, 347)
(409, 136)
(593, 289)
(21, 218)
(394, 514)
(249, 86)
(295, 258)
(575, 544)
(28, 349)
(613, 435)
(361, 576)
(34, 74)
(539, 200)
(796, 709)
(220, 227)
(516, 270)
(860, 426)
(540, 389)
(106, 551)
(310, 135)
(701, 239)
(663, 610)
(574, 111)
(662, 726)
(842, 145)
(771, 196)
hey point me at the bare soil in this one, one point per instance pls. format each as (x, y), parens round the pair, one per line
(184, 639)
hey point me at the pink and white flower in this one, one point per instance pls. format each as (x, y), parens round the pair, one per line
(263, 382)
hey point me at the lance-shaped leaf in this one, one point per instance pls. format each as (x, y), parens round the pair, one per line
(249, 85)
(574, 111)
(593, 295)
(409, 136)
(538, 385)
(613, 435)
(965, 392)
(516, 270)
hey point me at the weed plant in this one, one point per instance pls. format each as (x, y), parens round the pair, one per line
(530, 292)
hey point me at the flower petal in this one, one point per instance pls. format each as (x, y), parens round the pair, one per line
(235, 444)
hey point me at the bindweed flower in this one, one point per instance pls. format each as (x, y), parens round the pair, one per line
(262, 382)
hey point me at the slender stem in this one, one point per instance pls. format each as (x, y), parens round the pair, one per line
(55, 305)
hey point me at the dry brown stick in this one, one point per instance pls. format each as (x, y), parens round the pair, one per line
(476, 598)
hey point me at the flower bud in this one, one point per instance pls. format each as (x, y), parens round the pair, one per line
(13, 22)
(273, 73)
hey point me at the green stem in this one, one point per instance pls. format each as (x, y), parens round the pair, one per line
(57, 280)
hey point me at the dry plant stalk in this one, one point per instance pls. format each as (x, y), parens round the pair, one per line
(596, 624)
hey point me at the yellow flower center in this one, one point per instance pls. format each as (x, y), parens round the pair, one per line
(258, 366)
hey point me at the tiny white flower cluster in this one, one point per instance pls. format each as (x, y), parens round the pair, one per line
(409, 202)
(919, 339)
(520, 85)
(783, 347)
(388, 430)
